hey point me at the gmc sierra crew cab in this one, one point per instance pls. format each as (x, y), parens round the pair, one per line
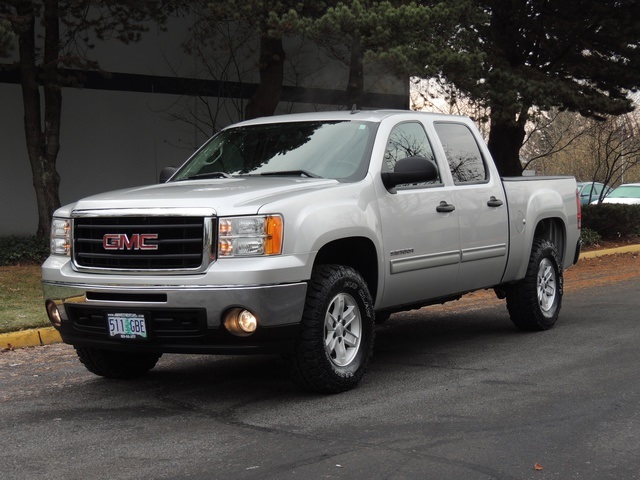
(295, 234)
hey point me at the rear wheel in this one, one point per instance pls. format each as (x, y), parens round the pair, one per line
(534, 302)
(337, 331)
(114, 364)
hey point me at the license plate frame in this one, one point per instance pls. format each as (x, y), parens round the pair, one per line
(127, 326)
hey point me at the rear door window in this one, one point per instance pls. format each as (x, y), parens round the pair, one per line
(462, 152)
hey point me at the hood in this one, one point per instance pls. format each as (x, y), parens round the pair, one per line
(236, 196)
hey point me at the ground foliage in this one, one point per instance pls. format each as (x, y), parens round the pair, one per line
(15, 250)
(613, 221)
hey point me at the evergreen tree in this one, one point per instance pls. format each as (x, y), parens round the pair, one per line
(582, 56)
(511, 55)
(6, 37)
(271, 20)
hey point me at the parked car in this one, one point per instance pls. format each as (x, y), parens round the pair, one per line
(628, 193)
(590, 191)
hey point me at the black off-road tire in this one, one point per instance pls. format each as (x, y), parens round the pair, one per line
(336, 336)
(114, 364)
(534, 302)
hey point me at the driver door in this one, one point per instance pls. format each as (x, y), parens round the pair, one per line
(420, 237)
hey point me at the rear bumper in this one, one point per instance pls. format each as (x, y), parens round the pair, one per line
(179, 319)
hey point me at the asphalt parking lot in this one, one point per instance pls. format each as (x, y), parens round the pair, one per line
(453, 391)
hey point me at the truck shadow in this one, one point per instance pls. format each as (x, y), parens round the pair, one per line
(425, 338)
(412, 350)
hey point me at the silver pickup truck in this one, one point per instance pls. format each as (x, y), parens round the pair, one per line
(296, 234)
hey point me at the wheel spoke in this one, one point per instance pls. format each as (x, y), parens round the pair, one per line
(349, 316)
(341, 352)
(351, 339)
(330, 321)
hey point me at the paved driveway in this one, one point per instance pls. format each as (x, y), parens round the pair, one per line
(453, 392)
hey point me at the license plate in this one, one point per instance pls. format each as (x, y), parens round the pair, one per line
(127, 325)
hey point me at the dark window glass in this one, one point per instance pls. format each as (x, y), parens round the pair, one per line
(334, 149)
(463, 154)
(408, 140)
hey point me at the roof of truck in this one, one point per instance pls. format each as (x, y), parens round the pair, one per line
(361, 115)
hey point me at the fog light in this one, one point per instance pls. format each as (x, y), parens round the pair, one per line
(240, 322)
(247, 321)
(53, 313)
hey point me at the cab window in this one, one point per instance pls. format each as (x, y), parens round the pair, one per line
(462, 152)
(408, 140)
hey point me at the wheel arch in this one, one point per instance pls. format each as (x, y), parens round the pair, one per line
(554, 230)
(358, 253)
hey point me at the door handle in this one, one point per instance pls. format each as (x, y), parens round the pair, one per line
(445, 207)
(494, 202)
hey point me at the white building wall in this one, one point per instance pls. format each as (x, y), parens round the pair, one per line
(109, 140)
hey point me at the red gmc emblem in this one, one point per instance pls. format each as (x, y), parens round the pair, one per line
(137, 241)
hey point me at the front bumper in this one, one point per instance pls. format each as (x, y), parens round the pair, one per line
(180, 319)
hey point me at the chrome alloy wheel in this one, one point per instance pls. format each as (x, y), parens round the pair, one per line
(547, 288)
(342, 330)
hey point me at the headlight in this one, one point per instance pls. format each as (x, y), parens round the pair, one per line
(60, 236)
(250, 236)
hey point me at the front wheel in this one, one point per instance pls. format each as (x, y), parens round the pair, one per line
(114, 364)
(534, 302)
(336, 335)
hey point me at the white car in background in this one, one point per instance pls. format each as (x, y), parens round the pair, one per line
(628, 193)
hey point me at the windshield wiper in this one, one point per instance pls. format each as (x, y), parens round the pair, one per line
(292, 173)
(208, 175)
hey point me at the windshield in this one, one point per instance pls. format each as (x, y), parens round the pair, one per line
(626, 191)
(336, 149)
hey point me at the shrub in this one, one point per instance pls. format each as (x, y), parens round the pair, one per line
(612, 221)
(590, 238)
(14, 250)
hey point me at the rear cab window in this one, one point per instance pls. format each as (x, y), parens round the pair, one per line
(462, 152)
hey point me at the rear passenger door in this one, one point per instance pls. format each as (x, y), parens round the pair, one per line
(481, 206)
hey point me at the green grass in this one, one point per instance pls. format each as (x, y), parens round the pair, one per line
(21, 302)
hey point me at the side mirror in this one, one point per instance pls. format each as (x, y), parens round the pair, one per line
(166, 173)
(410, 170)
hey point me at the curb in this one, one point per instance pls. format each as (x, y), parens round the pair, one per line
(29, 338)
(610, 251)
(48, 335)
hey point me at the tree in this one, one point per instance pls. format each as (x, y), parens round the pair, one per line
(605, 151)
(616, 148)
(53, 38)
(6, 37)
(222, 51)
(583, 56)
(554, 136)
(397, 34)
(339, 31)
(271, 21)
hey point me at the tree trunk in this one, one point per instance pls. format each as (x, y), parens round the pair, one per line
(42, 134)
(355, 86)
(265, 99)
(505, 141)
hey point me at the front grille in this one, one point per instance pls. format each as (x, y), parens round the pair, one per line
(139, 243)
